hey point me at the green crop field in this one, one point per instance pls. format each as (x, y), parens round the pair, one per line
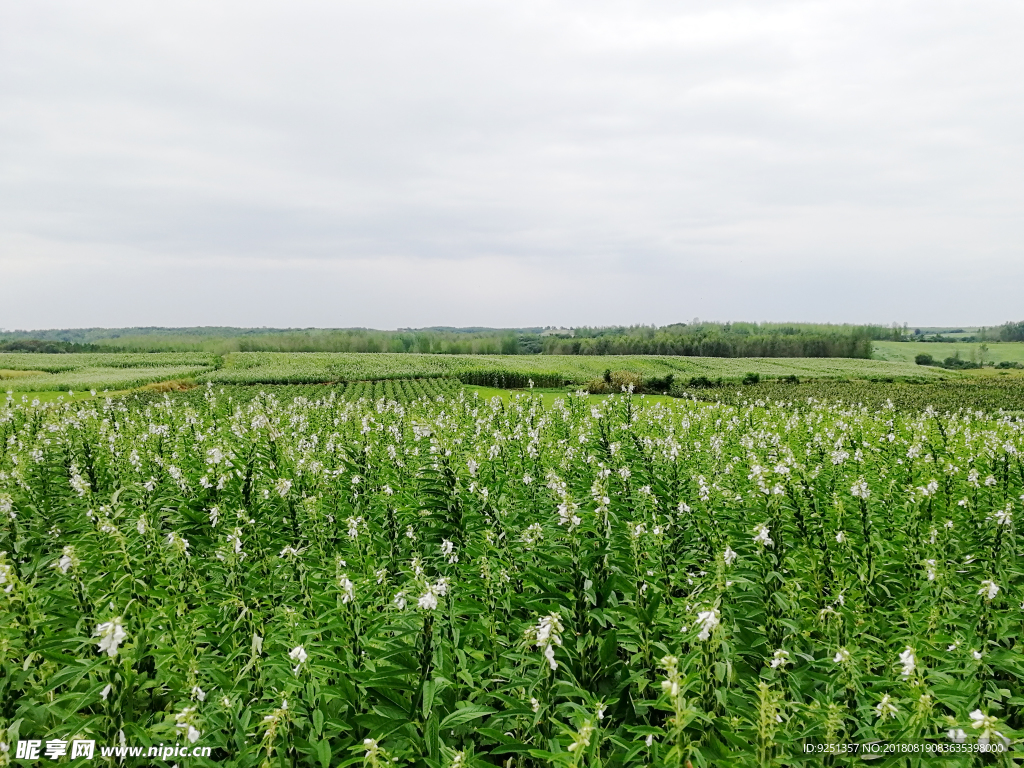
(545, 370)
(989, 393)
(22, 372)
(906, 351)
(309, 576)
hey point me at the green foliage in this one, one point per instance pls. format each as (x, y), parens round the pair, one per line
(988, 353)
(696, 339)
(516, 371)
(1012, 332)
(991, 394)
(62, 372)
(316, 577)
(923, 359)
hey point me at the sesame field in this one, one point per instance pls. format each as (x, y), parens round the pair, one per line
(323, 576)
(60, 373)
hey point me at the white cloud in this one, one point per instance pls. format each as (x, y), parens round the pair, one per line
(509, 163)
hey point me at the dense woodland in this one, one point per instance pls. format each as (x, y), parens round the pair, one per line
(696, 339)
(693, 339)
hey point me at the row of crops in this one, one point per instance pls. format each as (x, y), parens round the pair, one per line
(991, 393)
(42, 372)
(23, 372)
(65, 363)
(96, 379)
(398, 390)
(516, 371)
(458, 582)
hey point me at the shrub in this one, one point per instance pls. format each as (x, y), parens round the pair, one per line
(752, 378)
(924, 359)
(659, 384)
(703, 382)
(614, 381)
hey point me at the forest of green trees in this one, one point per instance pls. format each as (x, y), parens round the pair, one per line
(701, 339)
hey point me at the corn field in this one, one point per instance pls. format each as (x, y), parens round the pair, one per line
(441, 580)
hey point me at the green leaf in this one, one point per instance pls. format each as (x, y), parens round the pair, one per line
(323, 750)
(428, 697)
(465, 715)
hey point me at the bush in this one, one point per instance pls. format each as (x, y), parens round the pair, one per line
(791, 379)
(614, 381)
(703, 382)
(924, 360)
(752, 378)
(656, 384)
(956, 362)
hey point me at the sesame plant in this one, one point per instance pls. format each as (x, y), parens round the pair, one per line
(439, 580)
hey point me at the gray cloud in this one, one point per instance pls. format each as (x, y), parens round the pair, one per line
(396, 163)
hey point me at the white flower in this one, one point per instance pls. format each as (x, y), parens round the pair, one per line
(977, 655)
(841, 537)
(428, 600)
(956, 735)
(989, 589)
(67, 560)
(546, 635)
(298, 653)
(111, 635)
(534, 705)
(707, 620)
(885, 708)
(106, 691)
(177, 544)
(7, 575)
(198, 693)
(185, 722)
(763, 536)
(400, 601)
(729, 556)
(532, 534)
(930, 571)
(282, 486)
(1003, 516)
(780, 659)
(348, 590)
(842, 656)
(448, 550)
(860, 489)
(987, 725)
(441, 586)
(908, 661)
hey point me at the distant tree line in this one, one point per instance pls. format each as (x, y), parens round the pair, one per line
(48, 346)
(722, 340)
(687, 339)
(1011, 332)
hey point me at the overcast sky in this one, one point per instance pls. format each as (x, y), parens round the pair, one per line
(392, 164)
